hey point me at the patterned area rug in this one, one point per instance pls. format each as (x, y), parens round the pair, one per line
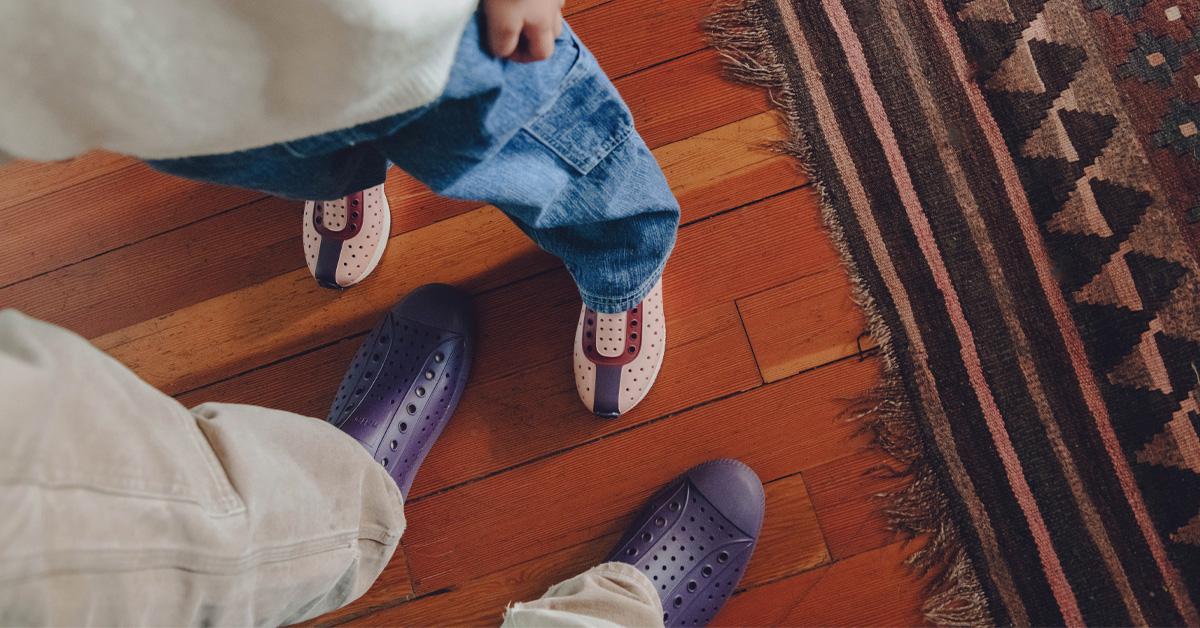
(1012, 184)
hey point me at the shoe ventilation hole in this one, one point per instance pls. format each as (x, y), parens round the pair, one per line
(384, 381)
(363, 246)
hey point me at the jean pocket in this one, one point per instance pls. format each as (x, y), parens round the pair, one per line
(586, 120)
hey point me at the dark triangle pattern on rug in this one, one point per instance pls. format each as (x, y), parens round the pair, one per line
(1004, 185)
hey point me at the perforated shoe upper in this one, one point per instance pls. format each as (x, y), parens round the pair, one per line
(406, 378)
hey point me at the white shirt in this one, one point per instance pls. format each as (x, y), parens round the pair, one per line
(174, 78)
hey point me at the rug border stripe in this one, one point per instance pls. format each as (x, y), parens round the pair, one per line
(1020, 486)
(940, 425)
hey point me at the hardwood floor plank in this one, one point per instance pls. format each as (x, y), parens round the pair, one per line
(629, 35)
(711, 172)
(266, 322)
(804, 323)
(521, 417)
(522, 376)
(533, 410)
(777, 429)
(101, 214)
(845, 492)
(289, 313)
(789, 543)
(679, 99)
(728, 166)
(870, 589)
(23, 180)
(574, 7)
(739, 253)
(791, 540)
(172, 270)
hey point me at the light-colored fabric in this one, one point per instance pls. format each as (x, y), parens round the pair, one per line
(181, 78)
(607, 595)
(121, 507)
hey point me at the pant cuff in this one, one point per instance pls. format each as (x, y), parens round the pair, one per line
(614, 305)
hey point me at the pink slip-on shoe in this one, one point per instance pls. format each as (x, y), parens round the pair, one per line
(344, 239)
(618, 356)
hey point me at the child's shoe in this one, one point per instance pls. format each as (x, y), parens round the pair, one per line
(406, 379)
(617, 356)
(695, 538)
(344, 239)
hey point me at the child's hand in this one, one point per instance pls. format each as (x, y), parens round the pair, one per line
(523, 30)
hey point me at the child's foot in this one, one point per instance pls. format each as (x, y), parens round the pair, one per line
(617, 356)
(406, 379)
(344, 239)
(695, 538)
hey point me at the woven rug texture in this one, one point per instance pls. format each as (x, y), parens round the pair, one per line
(1015, 188)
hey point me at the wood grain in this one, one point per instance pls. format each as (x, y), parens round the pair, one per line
(804, 323)
(679, 99)
(846, 493)
(773, 429)
(101, 214)
(23, 180)
(630, 35)
(711, 172)
(506, 420)
(789, 543)
(727, 256)
(870, 589)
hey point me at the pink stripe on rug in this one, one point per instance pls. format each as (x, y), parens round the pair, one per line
(1062, 316)
(1055, 576)
(997, 569)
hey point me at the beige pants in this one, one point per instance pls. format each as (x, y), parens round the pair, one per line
(118, 506)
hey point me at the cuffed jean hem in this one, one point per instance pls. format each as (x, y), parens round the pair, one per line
(615, 305)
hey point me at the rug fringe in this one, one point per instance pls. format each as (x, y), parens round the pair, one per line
(740, 30)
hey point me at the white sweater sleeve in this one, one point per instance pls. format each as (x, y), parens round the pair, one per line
(158, 79)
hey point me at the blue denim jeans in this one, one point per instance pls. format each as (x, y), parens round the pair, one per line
(550, 143)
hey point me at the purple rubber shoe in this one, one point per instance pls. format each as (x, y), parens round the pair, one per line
(406, 379)
(695, 538)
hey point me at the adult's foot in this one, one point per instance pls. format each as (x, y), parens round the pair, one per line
(344, 239)
(695, 538)
(406, 379)
(618, 356)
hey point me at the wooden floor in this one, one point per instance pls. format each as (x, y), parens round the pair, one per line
(202, 290)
